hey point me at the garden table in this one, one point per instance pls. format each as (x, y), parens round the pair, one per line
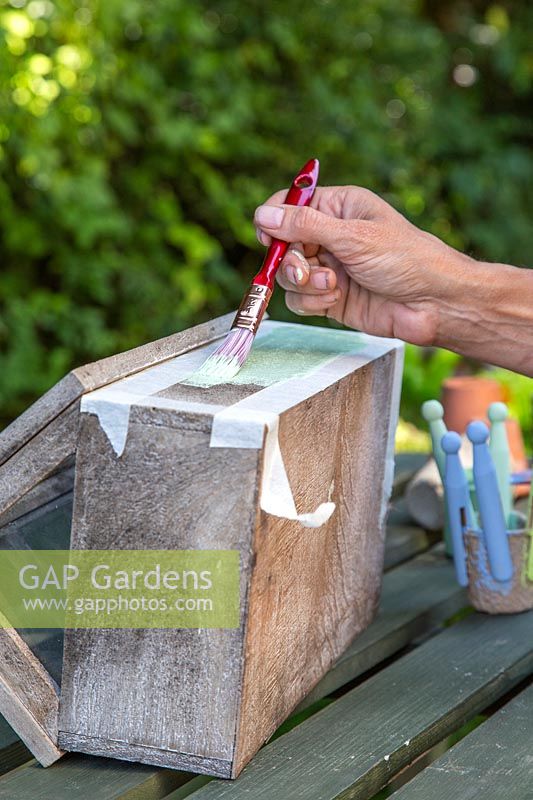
(432, 700)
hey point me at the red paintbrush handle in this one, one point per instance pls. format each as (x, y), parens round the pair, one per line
(300, 193)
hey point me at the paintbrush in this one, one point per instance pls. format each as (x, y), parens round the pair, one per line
(227, 359)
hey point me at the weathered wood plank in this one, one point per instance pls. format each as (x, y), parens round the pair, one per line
(416, 596)
(310, 595)
(29, 698)
(304, 597)
(87, 778)
(29, 465)
(492, 762)
(31, 449)
(51, 524)
(356, 745)
(51, 520)
(175, 672)
(39, 415)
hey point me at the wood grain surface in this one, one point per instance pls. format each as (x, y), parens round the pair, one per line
(141, 693)
(313, 591)
(29, 698)
(410, 606)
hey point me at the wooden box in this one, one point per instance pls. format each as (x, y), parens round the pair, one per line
(303, 436)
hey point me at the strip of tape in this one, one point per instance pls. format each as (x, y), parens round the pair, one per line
(243, 425)
(251, 429)
(393, 424)
(253, 421)
(112, 404)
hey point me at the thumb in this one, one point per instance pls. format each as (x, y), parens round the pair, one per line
(301, 224)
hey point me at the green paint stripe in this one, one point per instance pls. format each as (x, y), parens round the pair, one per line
(287, 353)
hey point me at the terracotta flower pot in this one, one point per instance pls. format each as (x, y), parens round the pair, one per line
(466, 398)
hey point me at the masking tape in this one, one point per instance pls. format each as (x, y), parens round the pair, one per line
(393, 424)
(276, 494)
(243, 425)
(252, 422)
(246, 428)
(112, 403)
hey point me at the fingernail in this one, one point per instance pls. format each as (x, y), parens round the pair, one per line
(294, 274)
(331, 298)
(320, 279)
(269, 216)
(290, 272)
(299, 255)
(259, 233)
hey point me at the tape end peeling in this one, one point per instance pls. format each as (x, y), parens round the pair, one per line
(318, 517)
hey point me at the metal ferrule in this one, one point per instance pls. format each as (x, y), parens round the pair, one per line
(252, 308)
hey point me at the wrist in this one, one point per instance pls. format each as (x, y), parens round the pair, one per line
(486, 312)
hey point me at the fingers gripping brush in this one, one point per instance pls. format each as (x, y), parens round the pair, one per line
(227, 359)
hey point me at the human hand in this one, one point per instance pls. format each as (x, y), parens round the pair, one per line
(357, 260)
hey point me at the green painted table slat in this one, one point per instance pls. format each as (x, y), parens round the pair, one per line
(494, 761)
(404, 542)
(12, 751)
(88, 778)
(353, 747)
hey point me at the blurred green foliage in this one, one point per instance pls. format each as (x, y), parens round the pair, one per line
(137, 137)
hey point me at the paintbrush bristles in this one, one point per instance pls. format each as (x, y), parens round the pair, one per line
(225, 362)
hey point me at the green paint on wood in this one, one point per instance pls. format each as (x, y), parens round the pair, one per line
(352, 748)
(529, 570)
(286, 353)
(492, 762)
(86, 778)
